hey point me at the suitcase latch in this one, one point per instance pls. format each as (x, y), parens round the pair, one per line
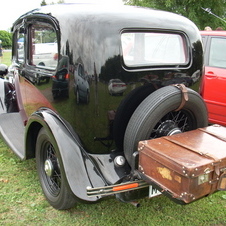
(222, 181)
(203, 179)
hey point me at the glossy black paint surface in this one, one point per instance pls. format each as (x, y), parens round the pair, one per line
(90, 43)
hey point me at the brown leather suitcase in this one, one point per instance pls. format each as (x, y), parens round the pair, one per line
(185, 166)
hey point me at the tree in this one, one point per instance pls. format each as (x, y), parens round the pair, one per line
(59, 2)
(43, 3)
(52, 3)
(192, 9)
(6, 38)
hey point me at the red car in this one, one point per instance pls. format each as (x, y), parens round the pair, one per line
(213, 83)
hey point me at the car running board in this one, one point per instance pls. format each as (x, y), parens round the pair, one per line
(12, 131)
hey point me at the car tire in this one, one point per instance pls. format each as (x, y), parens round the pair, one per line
(125, 111)
(156, 117)
(51, 173)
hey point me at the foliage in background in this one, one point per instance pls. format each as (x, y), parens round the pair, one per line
(52, 3)
(191, 9)
(6, 38)
(6, 58)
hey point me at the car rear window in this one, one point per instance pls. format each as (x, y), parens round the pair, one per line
(151, 48)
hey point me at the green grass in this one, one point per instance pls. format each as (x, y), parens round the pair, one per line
(6, 58)
(22, 203)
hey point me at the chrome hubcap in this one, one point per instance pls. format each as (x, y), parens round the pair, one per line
(168, 128)
(48, 167)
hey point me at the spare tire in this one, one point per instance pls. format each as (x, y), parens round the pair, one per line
(156, 117)
(125, 111)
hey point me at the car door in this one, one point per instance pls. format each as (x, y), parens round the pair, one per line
(214, 81)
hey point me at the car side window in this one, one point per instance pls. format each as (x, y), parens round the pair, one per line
(43, 49)
(217, 54)
(20, 47)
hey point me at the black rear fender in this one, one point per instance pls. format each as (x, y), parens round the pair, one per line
(71, 151)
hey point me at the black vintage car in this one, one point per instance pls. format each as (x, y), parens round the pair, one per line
(85, 140)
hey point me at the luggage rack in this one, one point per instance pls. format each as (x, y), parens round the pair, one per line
(117, 188)
(184, 167)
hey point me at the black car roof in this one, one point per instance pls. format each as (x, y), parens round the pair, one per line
(92, 31)
(118, 16)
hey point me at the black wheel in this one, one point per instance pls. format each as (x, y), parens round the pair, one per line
(156, 117)
(51, 173)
